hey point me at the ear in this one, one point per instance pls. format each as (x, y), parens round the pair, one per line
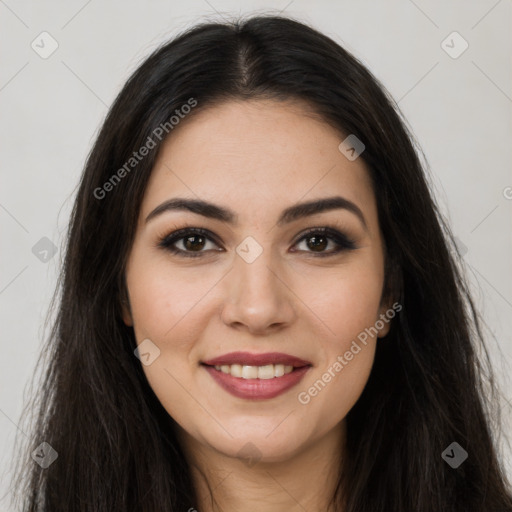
(383, 322)
(126, 313)
(389, 305)
(387, 311)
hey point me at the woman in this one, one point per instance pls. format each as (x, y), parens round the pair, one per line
(261, 306)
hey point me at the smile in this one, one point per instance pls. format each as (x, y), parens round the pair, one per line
(249, 387)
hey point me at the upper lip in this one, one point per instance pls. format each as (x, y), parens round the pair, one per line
(248, 359)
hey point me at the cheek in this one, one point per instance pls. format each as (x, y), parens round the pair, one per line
(349, 309)
(353, 309)
(168, 308)
(165, 300)
(346, 300)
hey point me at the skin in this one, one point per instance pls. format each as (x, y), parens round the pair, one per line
(257, 158)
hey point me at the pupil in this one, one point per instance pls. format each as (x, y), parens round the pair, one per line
(318, 242)
(191, 245)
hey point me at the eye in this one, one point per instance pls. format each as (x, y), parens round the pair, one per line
(316, 240)
(189, 242)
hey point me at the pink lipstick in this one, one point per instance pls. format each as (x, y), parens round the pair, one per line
(256, 376)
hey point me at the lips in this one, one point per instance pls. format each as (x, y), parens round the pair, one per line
(257, 388)
(248, 359)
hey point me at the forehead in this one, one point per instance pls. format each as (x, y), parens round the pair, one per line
(256, 156)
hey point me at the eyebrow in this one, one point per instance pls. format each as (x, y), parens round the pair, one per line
(290, 214)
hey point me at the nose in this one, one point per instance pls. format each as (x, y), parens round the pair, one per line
(258, 299)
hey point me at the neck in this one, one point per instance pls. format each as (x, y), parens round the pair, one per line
(305, 481)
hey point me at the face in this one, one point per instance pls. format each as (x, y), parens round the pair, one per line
(254, 274)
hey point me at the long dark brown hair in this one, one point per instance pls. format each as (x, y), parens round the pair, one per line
(427, 389)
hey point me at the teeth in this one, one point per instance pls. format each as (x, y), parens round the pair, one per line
(265, 372)
(249, 372)
(268, 371)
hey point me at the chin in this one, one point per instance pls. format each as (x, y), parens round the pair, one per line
(259, 447)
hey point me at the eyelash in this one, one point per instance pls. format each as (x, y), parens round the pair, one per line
(344, 243)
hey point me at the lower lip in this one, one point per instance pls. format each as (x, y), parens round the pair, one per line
(257, 389)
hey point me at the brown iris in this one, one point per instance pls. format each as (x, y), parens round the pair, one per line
(193, 246)
(319, 242)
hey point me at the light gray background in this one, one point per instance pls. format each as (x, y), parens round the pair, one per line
(51, 109)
